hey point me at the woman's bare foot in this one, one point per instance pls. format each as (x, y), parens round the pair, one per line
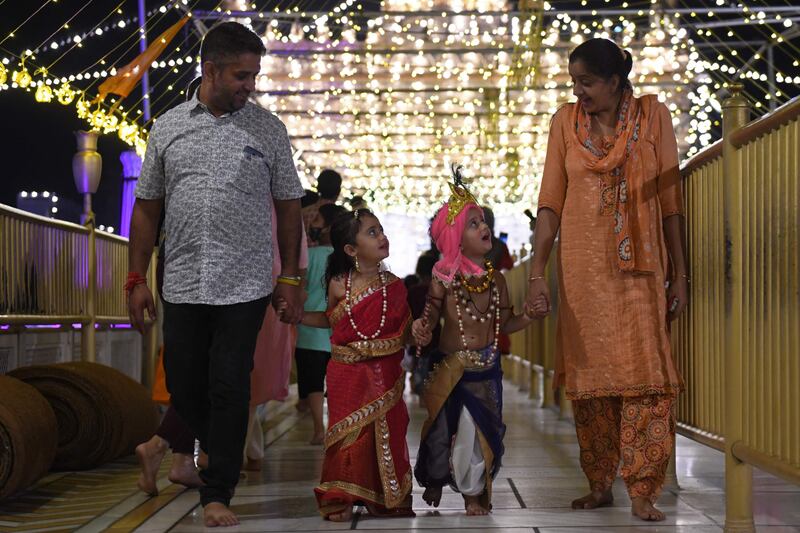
(216, 514)
(473, 506)
(253, 465)
(317, 439)
(593, 500)
(432, 496)
(344, 516)
(150, 454)
(183, 472)
(642, 508)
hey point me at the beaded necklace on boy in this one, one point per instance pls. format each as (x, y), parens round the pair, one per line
(485, 281)
(473, 357)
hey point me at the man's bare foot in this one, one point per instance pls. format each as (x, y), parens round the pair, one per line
(645, 510)
(432, 496)
(253, 465)
(202, 460)
(150, 454)
(183, 472)
(216, 514)
(593, 500)
(473, 506)
(344, 516)
(317, 439)
(301, 406)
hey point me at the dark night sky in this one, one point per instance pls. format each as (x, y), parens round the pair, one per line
(38, 144)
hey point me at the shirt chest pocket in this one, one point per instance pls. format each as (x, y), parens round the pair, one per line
(252, 176)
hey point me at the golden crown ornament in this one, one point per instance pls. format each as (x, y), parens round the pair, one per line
(460, 196)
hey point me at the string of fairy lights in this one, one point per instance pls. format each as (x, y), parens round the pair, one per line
(392, 97)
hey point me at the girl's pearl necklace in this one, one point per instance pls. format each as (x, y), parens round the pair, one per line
(348, 307)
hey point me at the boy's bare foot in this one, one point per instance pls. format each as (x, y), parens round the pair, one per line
(150, 454)
(317, 439)
(593, 500)
(432, 496)
(183, 472)
(301, 406)
(253, 465)
(645, 510)
(344, 516)
(216, 514)
(473, 506)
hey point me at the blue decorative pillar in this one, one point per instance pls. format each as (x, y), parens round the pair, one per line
(131, 168)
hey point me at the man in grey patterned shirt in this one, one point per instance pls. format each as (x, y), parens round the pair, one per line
(216, 164)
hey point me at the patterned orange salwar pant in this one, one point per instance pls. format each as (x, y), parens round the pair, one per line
(638, 430)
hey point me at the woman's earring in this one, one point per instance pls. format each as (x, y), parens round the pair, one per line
(355, 259)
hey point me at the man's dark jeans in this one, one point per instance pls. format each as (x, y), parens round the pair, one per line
(208, 357)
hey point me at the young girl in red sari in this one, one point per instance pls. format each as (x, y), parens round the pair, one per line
(366, 456)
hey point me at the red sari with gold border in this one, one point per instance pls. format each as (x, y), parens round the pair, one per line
(366, 455)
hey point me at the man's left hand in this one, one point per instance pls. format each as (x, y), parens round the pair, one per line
(290, 300)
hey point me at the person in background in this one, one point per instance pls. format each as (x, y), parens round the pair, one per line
(499, 254)
(329, 187)
(417, 296)
(272, 361)
(313, 350)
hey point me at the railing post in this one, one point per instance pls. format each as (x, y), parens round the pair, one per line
(738, 475)
(88, 332)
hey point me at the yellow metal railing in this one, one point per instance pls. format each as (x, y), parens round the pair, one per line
(738, 344)
(55, 272)
(698, 336)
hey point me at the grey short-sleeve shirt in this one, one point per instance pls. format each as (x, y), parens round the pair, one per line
(218, 177)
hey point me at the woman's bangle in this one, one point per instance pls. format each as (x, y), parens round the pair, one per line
(534, 278)
(294, 281)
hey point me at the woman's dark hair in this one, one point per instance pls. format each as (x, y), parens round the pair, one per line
(309, 199)
(330, 212)
(343, 232)
(228, 40)
(603, 58)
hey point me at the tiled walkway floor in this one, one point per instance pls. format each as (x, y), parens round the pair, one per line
(539, 478)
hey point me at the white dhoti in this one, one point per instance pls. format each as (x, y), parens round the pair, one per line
(467, 463)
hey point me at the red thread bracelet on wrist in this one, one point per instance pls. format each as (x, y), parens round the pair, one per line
(134, 279)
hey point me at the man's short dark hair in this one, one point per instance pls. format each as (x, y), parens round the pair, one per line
(329, 184)
(226, 41)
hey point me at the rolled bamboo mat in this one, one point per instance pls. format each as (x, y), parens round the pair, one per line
(102, 414)
(28, 436)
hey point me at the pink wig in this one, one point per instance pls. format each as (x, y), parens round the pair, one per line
(448, 240)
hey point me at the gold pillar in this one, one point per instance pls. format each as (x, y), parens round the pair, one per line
(88, 332)
(738, 475)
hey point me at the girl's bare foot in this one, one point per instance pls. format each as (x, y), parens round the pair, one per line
(432, 496)
(216, 514)
(150, 454)
(473, 506)
(344, 516)
(645, 510)
(319, 438)
(183, 472)
(593, 500)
